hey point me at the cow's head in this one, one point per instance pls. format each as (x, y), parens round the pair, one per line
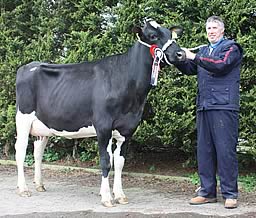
(165, 39)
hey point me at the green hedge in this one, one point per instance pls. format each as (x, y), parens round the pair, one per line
(64, 31)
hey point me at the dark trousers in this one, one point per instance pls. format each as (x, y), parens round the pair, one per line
(217, 135)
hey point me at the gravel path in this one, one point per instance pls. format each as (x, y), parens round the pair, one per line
(74, 193)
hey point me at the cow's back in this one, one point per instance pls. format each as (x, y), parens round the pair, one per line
(60, 95)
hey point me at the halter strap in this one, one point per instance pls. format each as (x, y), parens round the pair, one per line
(165, 46)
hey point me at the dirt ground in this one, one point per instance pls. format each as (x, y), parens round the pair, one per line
(73, 192)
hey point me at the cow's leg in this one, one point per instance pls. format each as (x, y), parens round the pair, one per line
(109, 150)
(23, 125)
(39, 146)
(104, 140)
(119, 163)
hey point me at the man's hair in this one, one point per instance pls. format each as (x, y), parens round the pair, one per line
(216, 19)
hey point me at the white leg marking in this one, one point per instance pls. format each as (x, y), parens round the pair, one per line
(39, 146)
(119, 164)
(109, 150)
(23, 125)
(106, 198)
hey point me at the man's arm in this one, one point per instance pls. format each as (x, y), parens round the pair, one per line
(188, 67)
(221, 63)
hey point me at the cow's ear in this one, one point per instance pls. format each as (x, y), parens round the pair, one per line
(137, 30)
(176, 32)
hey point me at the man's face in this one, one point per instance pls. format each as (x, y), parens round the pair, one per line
(214, 31)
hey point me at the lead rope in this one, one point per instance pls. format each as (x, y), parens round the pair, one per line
(196, 48)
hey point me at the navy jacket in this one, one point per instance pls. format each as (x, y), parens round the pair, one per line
(218, 76)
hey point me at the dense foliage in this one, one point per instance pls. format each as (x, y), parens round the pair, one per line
(64, 31)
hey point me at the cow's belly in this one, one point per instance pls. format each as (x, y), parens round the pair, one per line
(40, 129)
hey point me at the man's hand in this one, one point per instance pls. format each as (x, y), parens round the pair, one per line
(189, 55)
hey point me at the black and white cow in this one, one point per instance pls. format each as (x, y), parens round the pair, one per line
(104, 98)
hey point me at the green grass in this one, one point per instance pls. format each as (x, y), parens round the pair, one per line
(248, 182)
(194, 178)
(29, 159)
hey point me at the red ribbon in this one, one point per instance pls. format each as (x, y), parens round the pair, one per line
(152, 50)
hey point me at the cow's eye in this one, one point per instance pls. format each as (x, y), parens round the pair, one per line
(153, 37)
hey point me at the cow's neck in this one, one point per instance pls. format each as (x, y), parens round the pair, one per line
(140, 66)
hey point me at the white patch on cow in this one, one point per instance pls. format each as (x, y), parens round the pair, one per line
(154, 24)
(83, 132)
(40, 129)
(119, 164)
(109, 150)
(33, 69)
(23, 126)
(105, 190)
(39, 146)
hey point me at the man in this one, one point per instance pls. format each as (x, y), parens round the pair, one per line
(218, 75)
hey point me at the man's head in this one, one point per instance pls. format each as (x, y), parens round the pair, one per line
(214, 28)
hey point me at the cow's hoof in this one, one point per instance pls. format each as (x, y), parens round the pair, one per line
(40, 188)
(122, 200)
(107, 204)
(24, 193)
